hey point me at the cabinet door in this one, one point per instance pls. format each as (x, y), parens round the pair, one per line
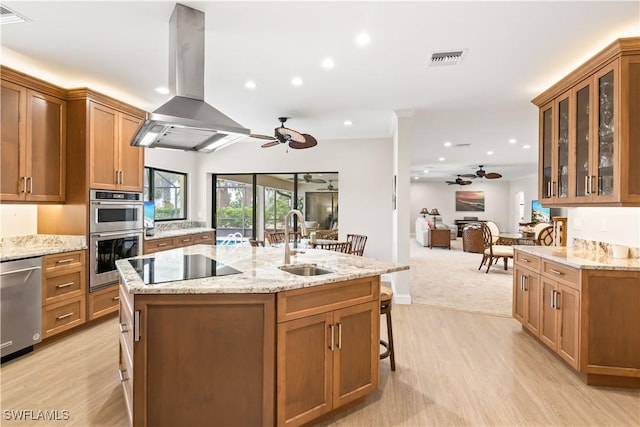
(13, 145)
(356, 361)
(46, 147)
(605, 153)
(548, 313)
(545, 173)
(103, 147)
(304, 367)
(532, 311)
(569, 328)
(580, 161)
(560, 169)
(131, 159)
(519, 294)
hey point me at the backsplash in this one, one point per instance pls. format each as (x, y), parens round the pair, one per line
(179, 225)
(601, 247)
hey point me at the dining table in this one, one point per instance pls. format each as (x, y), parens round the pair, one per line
(511, 239)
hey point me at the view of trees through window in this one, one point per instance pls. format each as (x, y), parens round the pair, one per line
(234, 207)
(276, 205)
(167, 189)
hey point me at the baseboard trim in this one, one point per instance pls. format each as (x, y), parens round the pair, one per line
(401, 299)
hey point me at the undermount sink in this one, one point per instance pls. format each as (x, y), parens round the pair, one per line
(305, 270)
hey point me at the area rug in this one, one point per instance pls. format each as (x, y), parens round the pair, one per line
(450, 278)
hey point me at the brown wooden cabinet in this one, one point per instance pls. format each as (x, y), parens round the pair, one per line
(103, 302)
(114, 163)
(327, 348)
(33, 148)
(63, 292)
(198, 359)
(166, 243)
(589, 137)
(588, 317)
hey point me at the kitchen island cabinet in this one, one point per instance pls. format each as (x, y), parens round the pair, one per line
(260, 347)
(589, 309)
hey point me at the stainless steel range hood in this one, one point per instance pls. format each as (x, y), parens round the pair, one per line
(186, 122)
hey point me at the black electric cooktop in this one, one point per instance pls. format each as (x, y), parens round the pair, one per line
(153, 270)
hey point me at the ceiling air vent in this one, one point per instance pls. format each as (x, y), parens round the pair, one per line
(8, 16)
(463, 145)
(453, 57)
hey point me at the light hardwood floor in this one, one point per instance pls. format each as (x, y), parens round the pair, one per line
(453, 368)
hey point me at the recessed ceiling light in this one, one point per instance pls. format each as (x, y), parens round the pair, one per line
(250, 84)
(348, 122)
(526, 146)
(415, 177)
(162, 90)
(490, 152)
(512, 141)
(447, 144)
(363, 39)
(296, 81)
(328, 63)
(426, 171)
(442, 159)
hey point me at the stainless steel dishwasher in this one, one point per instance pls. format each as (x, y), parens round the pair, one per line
(21, 306)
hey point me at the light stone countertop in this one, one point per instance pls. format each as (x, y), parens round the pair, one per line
(580, 258)
(161, 234)
(259, 267)
(12, 248)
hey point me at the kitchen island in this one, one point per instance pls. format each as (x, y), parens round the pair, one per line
(252, 345)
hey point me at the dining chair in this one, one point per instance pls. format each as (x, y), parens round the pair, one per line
(344, 247)
(278, 236)
(358, 241)
(256, 243)
(544, 236)
(493, 252)
(494, 230)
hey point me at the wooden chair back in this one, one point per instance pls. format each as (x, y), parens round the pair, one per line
(278, 236)
(545, 236)
(344, 247)
(256, 243)
(358, 241)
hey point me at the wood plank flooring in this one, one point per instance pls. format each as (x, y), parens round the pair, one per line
(453, 368)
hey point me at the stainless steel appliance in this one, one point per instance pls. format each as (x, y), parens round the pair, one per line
(116, 228)
(115, 211)
(21, 305)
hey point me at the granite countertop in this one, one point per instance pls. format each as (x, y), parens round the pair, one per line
(161, 234)
(12, 248)
(259, 270)
(581, 258)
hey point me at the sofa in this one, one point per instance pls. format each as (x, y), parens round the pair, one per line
(423, 232)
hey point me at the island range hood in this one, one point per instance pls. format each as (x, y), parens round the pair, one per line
(186, 122)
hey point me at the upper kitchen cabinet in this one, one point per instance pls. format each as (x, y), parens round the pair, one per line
(105, 127)
(33, 147)
(589, 132)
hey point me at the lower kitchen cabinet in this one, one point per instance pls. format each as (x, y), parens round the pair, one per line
(103, 301)
(560, 320)
(526, 298)
(165, 243)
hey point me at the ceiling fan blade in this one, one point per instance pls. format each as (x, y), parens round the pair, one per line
(465, 182)
(290, 134)
(468, 175)
(258, 136)
(492, 175)
(270, 144)
(309, 141)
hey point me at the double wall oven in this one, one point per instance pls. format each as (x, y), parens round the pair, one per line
(116, 230)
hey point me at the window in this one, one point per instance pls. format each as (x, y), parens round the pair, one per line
(276, 205)
(234, 207)
(168, 191)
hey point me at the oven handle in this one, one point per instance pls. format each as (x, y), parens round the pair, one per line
(118, 233)
(132, 203)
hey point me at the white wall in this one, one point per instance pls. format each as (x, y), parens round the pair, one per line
(529, 186)
(365, 179)
(18, 220)
(497, 201)
(611, 225)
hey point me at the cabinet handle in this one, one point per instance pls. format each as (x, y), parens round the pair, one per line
(331, 346)
(64, 316)
(117, 177)
(586, 184)
(339, 335)
(64, 261)
(553, 298)
(24, 184)
(557, 302)
(549, 189)
(30, 184)
(559, 273)
(64, 285)
(123, 328)
(185, 240)
(136, 325)
(162, 244)
(121, 177)
(524, 283)
(554, 187)
(116, 298)
(122, 373)
(525, 260)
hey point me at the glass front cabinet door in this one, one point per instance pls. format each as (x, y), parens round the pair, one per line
(546, 153)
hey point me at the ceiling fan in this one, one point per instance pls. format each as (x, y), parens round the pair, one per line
(329, 187)
(283, 135)
(308, 178)
(481, 173)
(459, 181)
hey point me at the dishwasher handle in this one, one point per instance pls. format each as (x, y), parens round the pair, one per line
(20, 270)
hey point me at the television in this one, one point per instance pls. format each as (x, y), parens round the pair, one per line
(149, 215)
(539, 213)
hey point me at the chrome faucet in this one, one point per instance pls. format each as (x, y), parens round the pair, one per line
(287, 219)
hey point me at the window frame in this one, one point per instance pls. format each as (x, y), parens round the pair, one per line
(149, 173)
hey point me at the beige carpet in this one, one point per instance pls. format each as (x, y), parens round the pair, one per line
(451, 279)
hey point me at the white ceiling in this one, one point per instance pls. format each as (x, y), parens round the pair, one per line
(514, 51)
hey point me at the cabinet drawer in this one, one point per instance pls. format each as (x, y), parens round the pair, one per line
(320, 299)
(62, 286)
(204, 238)
(562, 272)
(183, 240)
(527, 260)
(66, 260)
(103, 302)
(156, 245)
(62, 316)
(126, 379)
